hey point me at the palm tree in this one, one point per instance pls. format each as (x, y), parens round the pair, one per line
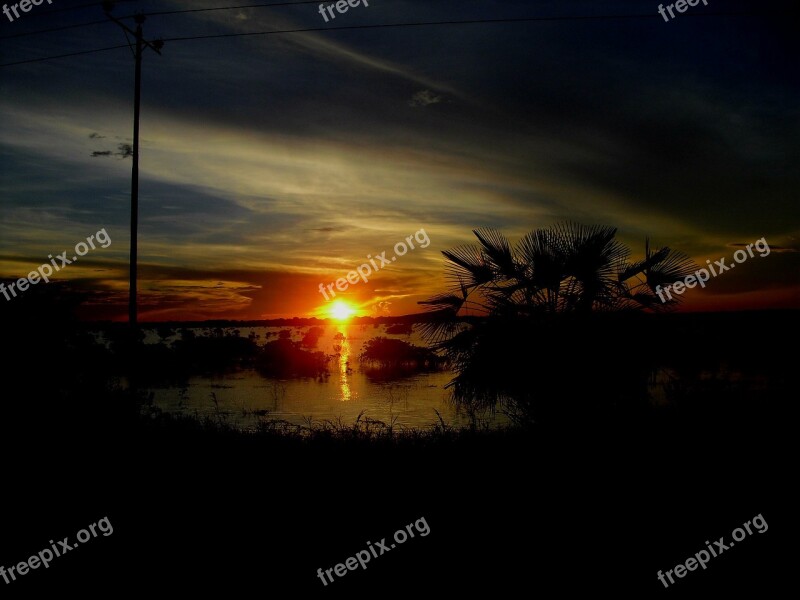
(521, 311)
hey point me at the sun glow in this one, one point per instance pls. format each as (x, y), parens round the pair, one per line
(341, 311)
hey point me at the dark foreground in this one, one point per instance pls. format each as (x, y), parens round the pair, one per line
(551, 509)
(558, 508)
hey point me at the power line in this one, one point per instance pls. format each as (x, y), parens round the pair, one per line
(428, 23)
(39, 14)
(32, 60)
(166, 12)
(260, 5)
(391, 25)
(272, 5)
(62, 28)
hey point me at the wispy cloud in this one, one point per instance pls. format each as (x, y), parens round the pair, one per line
(424, 98)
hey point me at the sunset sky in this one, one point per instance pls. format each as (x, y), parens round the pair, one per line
(273, 163)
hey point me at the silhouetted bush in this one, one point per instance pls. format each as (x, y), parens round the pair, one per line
(285, 358)
(400, 329)
(311, 337)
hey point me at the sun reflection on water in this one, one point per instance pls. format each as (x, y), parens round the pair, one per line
(344, 360)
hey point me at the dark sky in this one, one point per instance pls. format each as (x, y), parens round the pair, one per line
(273, 163)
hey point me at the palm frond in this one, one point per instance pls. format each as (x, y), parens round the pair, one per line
(542, 266)
(440, 331)
(468, 266)
(445, 301)
(672, 266)
(497, 248)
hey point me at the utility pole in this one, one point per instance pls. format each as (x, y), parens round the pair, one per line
(156, 46)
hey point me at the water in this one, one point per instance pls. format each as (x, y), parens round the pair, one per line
(245, 397)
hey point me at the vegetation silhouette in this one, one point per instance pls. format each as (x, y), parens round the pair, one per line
(549, 327)
(285, 358)
(311, 338)
(385, 359)
(400, 329)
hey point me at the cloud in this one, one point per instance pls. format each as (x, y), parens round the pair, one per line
(776, 249)
(317, 44)
(381, 309)
(424, 98)
(272, 163)
(123, 151)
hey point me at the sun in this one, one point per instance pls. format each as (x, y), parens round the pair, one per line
(341, 310)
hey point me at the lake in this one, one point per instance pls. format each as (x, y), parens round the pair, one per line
(245, 397)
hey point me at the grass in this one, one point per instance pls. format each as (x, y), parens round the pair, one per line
(363, 430)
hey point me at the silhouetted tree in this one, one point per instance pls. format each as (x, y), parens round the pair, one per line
(546, 310)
